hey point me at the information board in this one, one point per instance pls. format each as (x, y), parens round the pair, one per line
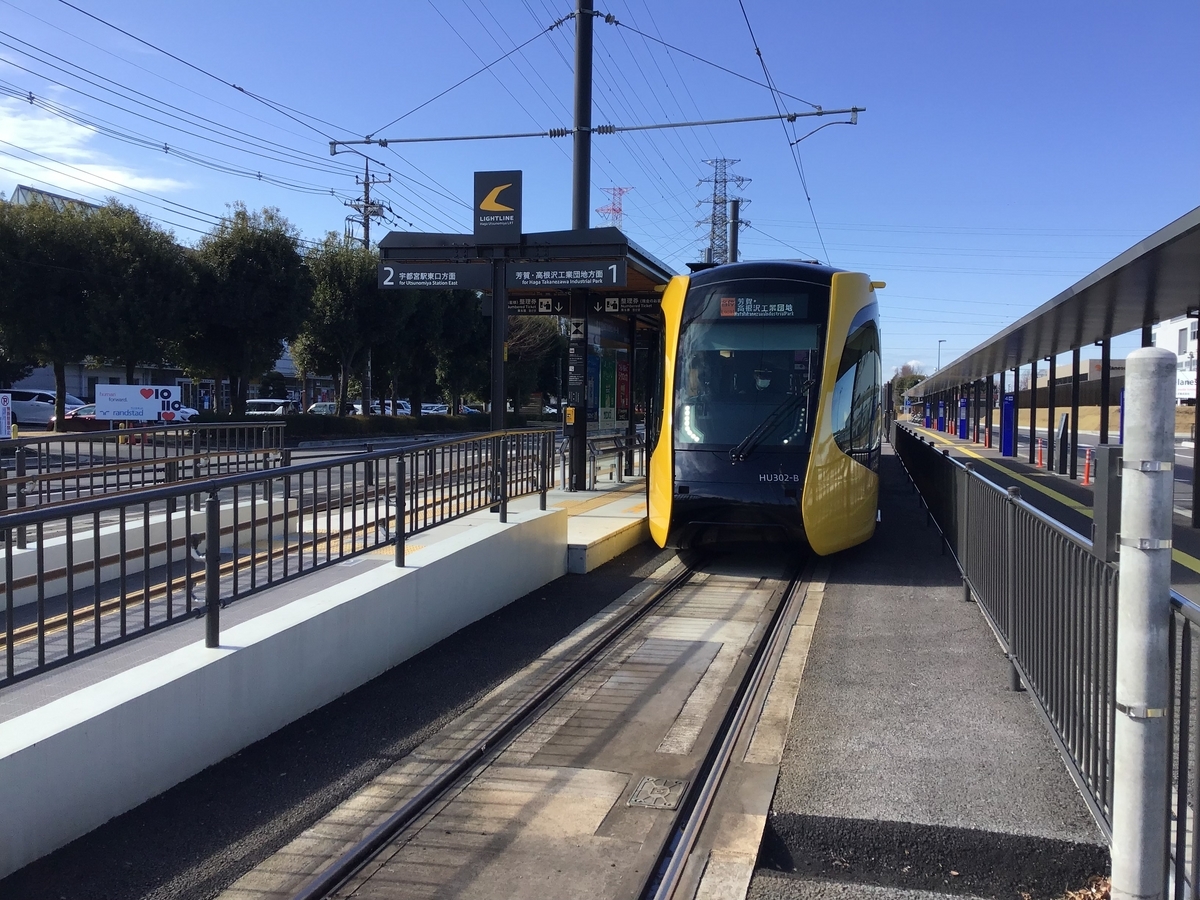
(435, 276)
(645, 304)
(566, 274)
(537, 306)
(5, 414)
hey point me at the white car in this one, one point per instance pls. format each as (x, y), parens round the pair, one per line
(267, 407)
(37, 407)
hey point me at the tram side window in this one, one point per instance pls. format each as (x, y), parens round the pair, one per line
(855, 409)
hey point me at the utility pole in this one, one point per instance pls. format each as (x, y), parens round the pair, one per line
(367, 210)
(718, 220)
(581, 205)
(735, 225)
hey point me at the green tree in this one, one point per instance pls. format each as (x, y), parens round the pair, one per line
(46, 285)
(273, 386)
(252, 293)
(464, 348)
(141, 280)
(347, 307)
(903, 378)
(532, 341)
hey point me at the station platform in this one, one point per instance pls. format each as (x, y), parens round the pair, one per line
(1069, 501)
(889, 758)
(910, 769)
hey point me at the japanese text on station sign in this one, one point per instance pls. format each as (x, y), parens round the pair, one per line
(597, 273)
(458, 276)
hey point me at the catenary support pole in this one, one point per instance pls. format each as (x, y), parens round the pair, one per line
(581, 209)
(1140, 748)
(499, 340)
(735, 222)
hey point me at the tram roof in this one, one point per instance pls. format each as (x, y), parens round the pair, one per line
(1154, 280)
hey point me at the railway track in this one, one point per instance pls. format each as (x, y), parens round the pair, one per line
(670, 681)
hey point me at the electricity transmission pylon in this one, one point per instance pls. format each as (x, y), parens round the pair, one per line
(718, 219)
(612, 211)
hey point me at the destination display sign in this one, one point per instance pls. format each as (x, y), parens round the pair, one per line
(566, 274)
(436, 276)
(765, 307)
(537, 306)
(645, 304)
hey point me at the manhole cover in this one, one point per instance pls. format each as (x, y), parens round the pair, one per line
(658, 793)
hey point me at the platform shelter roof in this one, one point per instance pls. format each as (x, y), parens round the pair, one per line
(1154, 280)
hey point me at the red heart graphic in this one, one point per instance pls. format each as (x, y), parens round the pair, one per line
(168, 416)
(147, 393)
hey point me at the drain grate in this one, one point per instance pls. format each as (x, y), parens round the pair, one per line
(658, 793)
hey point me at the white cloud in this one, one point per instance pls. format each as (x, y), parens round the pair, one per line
(73, 164)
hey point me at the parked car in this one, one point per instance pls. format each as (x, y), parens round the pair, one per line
(434, 409)
(83, 418)
(268, 407)
(37, 407)
(324, 408)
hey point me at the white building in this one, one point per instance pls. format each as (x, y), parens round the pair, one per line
(1179, 336)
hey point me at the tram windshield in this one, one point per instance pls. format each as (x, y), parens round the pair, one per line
(748, 366)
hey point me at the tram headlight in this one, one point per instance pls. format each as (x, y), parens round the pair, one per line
(689, 425)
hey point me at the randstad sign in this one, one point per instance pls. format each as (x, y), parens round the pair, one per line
(497, 208)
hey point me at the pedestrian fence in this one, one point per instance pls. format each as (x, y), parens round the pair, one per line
(618, 455)
(59, 467)
(1052, 604)
(104, 569)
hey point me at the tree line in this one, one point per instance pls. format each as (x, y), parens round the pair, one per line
(107, 285)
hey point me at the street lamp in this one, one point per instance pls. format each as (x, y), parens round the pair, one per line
(939, 365)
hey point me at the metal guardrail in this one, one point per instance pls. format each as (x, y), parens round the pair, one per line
(1053, 606)
(62, 466)
(622, 449)
(1049, 600)
(109, 568)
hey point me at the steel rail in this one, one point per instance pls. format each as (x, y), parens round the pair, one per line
(350, 862)
(665, 879)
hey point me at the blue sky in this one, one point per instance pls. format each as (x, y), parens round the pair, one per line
(1007, 149)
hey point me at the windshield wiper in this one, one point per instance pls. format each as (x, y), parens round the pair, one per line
(742, 451)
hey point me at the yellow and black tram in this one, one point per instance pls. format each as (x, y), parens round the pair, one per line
(769, 418)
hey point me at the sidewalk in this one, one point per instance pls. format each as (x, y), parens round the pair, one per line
(910, 767)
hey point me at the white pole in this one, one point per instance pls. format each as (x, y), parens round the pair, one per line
(1140, 776)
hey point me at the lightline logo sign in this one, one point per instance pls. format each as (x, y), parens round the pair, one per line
(497, 208)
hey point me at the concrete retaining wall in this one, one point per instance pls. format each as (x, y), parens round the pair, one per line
(72, 765)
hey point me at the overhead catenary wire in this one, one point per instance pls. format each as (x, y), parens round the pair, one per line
(795, 153)
(289, 112)
(109, 129)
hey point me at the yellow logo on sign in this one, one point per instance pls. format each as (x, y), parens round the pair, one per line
(491, 204)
